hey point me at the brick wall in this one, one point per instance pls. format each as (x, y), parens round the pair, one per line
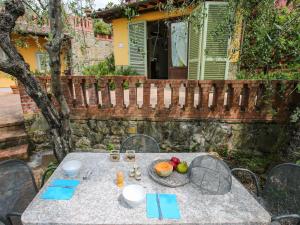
(163, 100)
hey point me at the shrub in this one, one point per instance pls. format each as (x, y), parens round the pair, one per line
(276, 75)
(107, 67)
(100, 27)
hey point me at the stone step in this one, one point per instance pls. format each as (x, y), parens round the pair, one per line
(11, 138)
(16, 152)
(12, 126)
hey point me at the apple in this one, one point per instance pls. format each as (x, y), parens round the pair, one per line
(173, 164)
(175, 160)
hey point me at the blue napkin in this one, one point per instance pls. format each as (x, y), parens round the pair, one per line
(60, 190)
(168, 205)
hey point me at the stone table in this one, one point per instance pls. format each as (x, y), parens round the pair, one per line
(97, 200)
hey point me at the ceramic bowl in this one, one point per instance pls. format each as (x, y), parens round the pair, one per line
(134, 195)
(71, 168)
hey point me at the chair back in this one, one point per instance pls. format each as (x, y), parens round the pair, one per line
(17, 187)
(210, 175)
(141, 143)
(281, 194)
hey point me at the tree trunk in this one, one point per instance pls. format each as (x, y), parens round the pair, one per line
(58, 119)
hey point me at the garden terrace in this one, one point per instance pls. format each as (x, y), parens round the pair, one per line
(134, 97)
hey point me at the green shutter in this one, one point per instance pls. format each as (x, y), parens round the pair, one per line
(194, 44)
(138, 47)
(215, 46)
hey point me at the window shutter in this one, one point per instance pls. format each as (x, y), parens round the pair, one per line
(194, 51)
(138, 47)
(215, 46)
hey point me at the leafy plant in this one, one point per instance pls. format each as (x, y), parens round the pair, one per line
(110, 147)
(107, 67)
(276, 75)
(100, 27)
(125, 70)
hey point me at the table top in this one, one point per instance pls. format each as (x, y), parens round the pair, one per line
(97, 200)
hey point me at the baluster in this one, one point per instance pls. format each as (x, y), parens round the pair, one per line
(219, 96)
(105, 94)
(160, 95)
(252, 100)
(190, 95)
(236, 98)
(244, 100)
(92, 92)
(132, 93)
(146, 94)
(212, 97)
(205, 88)
(79, 103)
(66, 90)
(228, 94)
(175, 85)
(119, 93)
(278, 97)
(261, 91)
(287, 96)
(85, 94)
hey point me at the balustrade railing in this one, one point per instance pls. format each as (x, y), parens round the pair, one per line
(135, 97)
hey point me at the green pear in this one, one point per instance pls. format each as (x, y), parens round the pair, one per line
(182, 167)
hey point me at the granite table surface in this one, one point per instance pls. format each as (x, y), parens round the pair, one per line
(98, 199)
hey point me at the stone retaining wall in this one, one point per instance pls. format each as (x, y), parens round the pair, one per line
(255, 145)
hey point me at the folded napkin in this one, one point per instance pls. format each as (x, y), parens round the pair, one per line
(168, 205)
(60, 190)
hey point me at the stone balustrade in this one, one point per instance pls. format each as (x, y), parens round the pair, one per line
(139, 98)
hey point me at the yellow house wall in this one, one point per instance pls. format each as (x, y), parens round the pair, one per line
(33, 46)
(120, 34)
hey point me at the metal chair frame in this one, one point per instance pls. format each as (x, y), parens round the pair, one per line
(139, 135)
(259, 193)
(7, 220)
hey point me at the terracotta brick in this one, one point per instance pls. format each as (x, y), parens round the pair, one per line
(229, 100)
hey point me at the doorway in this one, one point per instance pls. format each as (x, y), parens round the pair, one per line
(157, 45)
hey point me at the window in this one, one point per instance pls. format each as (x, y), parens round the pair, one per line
(2, 54)
(42, 62)
(179, 44)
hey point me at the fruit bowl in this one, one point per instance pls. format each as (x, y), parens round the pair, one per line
(163, 169)
(175, 179)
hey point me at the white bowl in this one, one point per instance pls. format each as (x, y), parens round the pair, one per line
(134, 195)
(71, 168)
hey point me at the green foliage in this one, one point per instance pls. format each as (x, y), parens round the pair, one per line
(125, 70)
(298, 162)
(271, 38)
(130, 12)
(107, 67)
(49, 171)
(100, 27)
(276, 75)
(295, 115)
(110, 147)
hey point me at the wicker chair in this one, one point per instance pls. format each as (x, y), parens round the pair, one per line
(281, 194)
(141, 144)
(17, 190)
